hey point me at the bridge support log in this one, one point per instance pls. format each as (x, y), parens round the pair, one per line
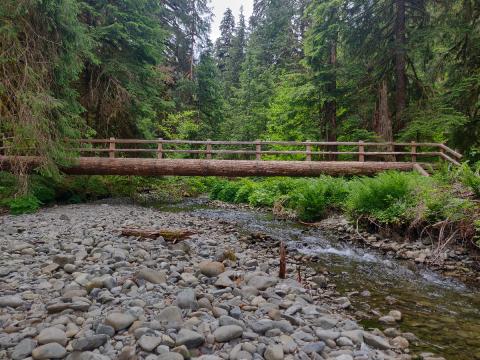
(200, 167)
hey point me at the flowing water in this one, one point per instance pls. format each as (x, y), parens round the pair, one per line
(443, 313)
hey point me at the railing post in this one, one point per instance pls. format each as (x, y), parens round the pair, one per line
(361, 151)
(111, 148)
(209, 149)
(442, 151)
(160, 148)
(258, 150)
(414, 151)
(309, 151)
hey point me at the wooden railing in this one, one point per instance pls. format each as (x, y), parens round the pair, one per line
(266, 150)
(258, 150)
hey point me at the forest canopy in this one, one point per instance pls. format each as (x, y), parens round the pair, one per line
(295, 70)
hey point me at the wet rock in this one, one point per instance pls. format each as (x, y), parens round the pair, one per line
(315, 347)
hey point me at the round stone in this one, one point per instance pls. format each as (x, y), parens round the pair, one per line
(49, 351)
(52, 335)
(227, 333)
(211, 268)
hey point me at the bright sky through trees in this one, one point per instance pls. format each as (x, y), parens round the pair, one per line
(219, 7)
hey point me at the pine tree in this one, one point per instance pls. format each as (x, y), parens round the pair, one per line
(237, 52)
(223, 45)
(209, 97)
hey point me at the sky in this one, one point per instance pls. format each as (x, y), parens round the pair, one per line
(219, 7)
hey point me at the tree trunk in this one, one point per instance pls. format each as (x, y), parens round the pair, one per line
(384, 121)
(400, 63)
(331, 105)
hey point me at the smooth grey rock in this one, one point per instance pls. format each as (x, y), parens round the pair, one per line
(315, 347)
(211, 268)
(49, 351)
(119, 321)
(11, 301)
(23, 349)
(170, 356)
(327, 334)
(191, 339)
(274, 352)
(52, 335)
(261, 282)
(86, 355)
(153, 276)
(89, 342)
(105, 329)
(149, 343)
(171, 317)
(375, 341)
(227, 333)
(186, 299)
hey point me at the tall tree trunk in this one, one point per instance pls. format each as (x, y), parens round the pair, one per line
(331, 105)
(384, 123)
(400, 63)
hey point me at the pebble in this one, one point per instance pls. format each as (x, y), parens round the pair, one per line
(274, 352)
(11, 300)
(49, 351)
(211, 268)
(88, 293)
(227, 333)
(119, 321)
(191, 339)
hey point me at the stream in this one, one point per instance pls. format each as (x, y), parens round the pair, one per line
(443, 313)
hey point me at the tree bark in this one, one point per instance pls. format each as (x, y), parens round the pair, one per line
(400, 64)
(189, 167)
(384, 122)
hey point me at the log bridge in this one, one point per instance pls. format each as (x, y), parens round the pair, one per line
(235, 158)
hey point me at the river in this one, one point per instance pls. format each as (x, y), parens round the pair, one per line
(443, 313)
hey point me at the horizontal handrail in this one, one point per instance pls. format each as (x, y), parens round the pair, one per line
(161, 147)
(262, 142)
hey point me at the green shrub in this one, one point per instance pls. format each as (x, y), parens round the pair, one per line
(388, 198)
(470, 177)
(311, 199)
(23, 204)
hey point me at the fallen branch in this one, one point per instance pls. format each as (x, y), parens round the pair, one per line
(283, 261)
(173, 235)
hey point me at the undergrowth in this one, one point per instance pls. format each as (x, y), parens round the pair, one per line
(406, 203)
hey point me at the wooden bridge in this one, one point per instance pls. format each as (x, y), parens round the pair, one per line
(237, 158)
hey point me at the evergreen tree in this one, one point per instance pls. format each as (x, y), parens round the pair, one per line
(237, 52)
(223, 46)
(209, 97)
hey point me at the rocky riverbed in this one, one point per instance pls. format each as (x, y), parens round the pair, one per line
(72, 287)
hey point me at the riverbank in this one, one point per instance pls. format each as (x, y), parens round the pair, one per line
(72, 286)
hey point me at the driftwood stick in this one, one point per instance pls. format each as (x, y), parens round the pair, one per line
(168, 234)
(283, 261)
